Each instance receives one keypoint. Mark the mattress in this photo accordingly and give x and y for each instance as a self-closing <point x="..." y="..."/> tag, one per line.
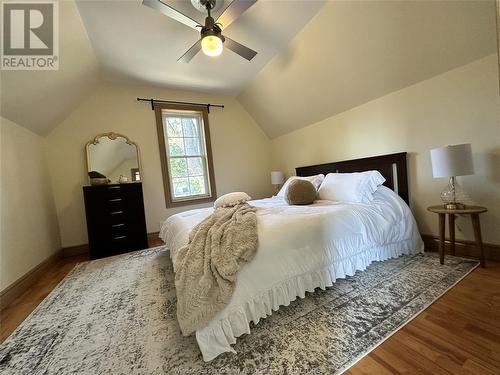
<point x="301" y="248"/>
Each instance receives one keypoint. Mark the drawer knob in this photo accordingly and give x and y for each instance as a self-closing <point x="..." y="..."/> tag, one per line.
<point x="115" y="200"/>
<point x="119" y="237"/>
<point x="116" y="212"/>
<point x="118" y="225"/>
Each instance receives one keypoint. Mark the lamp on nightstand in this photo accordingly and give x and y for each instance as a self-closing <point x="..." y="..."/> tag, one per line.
<point x="277" y="179"/>
<point x="452" y="161"/>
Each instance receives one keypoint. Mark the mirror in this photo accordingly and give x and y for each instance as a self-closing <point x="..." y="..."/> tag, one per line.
<point x="114" y="156"/>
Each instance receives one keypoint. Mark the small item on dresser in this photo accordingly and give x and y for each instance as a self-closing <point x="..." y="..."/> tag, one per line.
<point x="123" y="179"/>
<point x="99" y="181"/>
<point x="97" y="178"/>
<point x="231" y="199"/>
<point x="300" y="192"/>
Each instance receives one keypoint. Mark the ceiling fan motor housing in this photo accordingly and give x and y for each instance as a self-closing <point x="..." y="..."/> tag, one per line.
<point x="211" y="28"/>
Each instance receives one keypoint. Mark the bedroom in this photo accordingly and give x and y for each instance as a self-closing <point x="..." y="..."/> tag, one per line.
<point x="321" y="86"/>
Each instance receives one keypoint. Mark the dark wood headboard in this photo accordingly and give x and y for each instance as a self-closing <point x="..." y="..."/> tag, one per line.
<point x="392" y="167"/>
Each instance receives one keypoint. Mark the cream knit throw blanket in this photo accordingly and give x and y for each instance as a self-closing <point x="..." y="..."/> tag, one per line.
<point x="206" y="268"/>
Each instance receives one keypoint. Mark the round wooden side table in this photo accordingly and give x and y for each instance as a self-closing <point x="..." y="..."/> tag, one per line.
<point x="474" y="212"/>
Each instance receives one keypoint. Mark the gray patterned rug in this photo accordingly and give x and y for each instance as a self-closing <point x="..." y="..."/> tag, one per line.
<point x="117" y="316"/>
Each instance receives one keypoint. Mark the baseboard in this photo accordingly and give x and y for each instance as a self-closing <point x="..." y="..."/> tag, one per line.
<point x="84" y="248"/>
<point x="21" y="285"/>
<point x="75" y="250"/>
<point x="153" y="236"/>
<point x="462" y="247"/>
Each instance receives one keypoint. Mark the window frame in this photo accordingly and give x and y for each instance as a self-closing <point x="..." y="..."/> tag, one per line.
<point x="164" y="158"/>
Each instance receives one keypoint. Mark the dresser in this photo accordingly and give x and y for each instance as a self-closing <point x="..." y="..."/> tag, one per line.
<point x="116" y="221"/>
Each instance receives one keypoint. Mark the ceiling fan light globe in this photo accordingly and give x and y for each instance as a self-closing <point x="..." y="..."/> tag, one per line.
<point x="211" y="45"/>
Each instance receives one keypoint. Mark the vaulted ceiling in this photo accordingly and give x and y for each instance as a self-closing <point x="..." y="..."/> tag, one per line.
<point x="138" y="44"/>
<point x="40" y="100"/>
<point x="356" y="51"/>
<point x="315" y="59"/>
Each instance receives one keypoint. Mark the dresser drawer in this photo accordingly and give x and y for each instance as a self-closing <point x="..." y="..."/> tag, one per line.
<point x="115" y="219"/>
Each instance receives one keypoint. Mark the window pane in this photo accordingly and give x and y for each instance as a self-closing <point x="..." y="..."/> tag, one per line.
<point x="181" y="187"/>
<point x="179" y="167"/>
<point x="197" y="185"/>
<point x="176" y="147"/>
<point x="174" y="127"/>
<point x="186" y="154"/>
<point x="192" y="146"/>
<point x="195" y="166"/>
<point x="190" y="126"/>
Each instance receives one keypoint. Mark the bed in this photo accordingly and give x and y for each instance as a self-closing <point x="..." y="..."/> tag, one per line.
<point x="302" y="248"/>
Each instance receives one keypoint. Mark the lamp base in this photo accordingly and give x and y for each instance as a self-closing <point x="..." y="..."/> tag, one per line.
<point x="453" y="195"/>
<point x="454" y="206"/>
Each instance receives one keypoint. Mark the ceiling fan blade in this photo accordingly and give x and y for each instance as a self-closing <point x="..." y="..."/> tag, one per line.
<point x="240" y="49"/>
<point x="233" y="11"/>
<point x="171" y="12"/>
<point x="191" y="52"/>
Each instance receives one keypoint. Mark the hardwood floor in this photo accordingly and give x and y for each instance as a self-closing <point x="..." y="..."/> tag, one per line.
<point x="458" y="334"/>
<point x="21" y="307"/>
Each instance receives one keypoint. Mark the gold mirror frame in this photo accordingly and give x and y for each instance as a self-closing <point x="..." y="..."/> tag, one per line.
<point x="113" y="136"/>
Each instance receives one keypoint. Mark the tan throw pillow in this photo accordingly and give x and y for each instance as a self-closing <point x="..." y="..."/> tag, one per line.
<point x="300" y="192"/>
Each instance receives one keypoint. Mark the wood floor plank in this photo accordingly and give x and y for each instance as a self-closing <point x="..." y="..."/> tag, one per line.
<point x="458" y="334"/>
<point x="432" y="354"/>
<point x="370" y="366"/>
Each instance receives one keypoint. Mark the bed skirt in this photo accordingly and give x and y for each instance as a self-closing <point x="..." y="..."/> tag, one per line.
<point x="219" y="335"/>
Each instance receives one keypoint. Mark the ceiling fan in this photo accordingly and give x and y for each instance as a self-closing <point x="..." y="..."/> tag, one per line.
<point x="211" y="41"/>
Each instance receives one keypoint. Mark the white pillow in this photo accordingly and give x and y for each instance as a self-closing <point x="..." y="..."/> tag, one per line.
<point x="355" y="187"/>
<point x="316" y="180"/>
<point x="231" y="199"/>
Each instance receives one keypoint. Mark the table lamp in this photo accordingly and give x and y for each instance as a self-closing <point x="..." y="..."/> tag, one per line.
<point x="450" y="162"/>
<point x="277" y="179"/>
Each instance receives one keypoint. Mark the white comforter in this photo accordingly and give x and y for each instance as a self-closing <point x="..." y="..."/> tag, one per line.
<point x="300" y="248"/>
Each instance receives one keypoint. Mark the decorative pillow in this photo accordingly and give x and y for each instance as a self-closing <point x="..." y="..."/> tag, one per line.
<point x="231" y="199"/>
<point x="350" y="187"/>
<point x="300" y="191"/>
<point x="316" y="180"/>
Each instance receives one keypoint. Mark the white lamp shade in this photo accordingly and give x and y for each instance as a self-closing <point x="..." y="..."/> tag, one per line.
<point x="451" y="161"/>
<point x="277" y="177"/>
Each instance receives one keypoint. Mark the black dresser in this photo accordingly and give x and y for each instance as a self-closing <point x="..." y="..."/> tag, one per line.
<point x="116" y="222"/>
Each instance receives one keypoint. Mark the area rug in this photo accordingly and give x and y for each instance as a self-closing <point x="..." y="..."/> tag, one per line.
<point x="118" y="316"/>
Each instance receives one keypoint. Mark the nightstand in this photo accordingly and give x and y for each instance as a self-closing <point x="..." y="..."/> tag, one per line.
<point x="474" y="212"/>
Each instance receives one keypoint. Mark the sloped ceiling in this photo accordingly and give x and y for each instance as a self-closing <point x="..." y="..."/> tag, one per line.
<point x="355" y="51"/>
<point x="40" y="100"/>
<point x="349" y="53"/>
<point x="137" y="44"/>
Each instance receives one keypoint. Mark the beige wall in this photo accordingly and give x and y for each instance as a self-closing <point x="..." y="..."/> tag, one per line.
<point x="241" y="151"/>
<point x="29" y="230"/>
<point x="459" y="106"/>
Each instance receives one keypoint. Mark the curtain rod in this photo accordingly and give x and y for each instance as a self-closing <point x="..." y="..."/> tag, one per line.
<point x="152" y="101"/>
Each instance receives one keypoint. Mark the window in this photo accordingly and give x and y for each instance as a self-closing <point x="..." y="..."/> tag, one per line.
<point x="185" y="153"/>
